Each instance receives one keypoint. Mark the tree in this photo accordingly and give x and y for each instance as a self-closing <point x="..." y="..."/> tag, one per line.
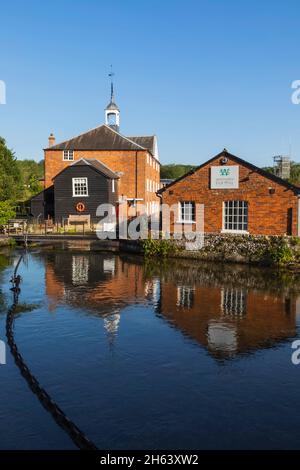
<point x="10" y="178"/>
<point x="7" y="211"/>
<point x="31" y="173"/>
<point x="294" y="175"/>
<point x="174" y="171"/>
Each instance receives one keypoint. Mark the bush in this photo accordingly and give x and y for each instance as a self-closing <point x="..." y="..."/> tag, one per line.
<point x="160" y="248"/>
<point x="278" y="252"/>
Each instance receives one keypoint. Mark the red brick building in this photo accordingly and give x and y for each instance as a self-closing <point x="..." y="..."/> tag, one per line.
<point x="133" y="159"/>
<point x="238" y="197"/>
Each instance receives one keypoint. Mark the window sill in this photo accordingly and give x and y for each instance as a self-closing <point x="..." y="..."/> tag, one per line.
<point x="185" y="222"/>
<point x="238" y="232"/>
<point x="78" y="195"/>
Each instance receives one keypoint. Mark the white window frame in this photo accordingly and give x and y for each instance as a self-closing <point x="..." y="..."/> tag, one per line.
<point x="73" y="187"/>
<point x="67" y="154"/>
<point x="241" y="205"/>
<point x="182" y="220"/>
<point x="113" y="186"/>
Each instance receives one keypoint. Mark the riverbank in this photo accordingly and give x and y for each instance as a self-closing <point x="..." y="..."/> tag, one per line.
<point x="275" y="251"/>
<point x="6" y="241"/>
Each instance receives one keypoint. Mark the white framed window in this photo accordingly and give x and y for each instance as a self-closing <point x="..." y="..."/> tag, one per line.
<point x="80" y="269"/>
<point x="233" y="301"/>
<point x="68" y="155"/>
<point x="80" y="187"/>
<point x="187" y="211"/>
<point x="112" y="186"/>
<point x="185" y="296"/>
<point x="235" y="216"/>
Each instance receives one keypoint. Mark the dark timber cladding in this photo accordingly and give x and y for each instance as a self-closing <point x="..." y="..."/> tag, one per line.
<point x="100" y="189"/>
<point x="42" y="205"/>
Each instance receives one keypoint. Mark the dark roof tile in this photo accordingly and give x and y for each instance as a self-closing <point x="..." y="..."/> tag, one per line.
<point x="104" y="138"/>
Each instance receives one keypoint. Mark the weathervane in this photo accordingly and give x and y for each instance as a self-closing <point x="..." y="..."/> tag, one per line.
<point x="111" y="75"/>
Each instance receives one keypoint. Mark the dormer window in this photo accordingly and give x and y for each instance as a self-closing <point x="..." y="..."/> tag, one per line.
<point x="68" y="155"/>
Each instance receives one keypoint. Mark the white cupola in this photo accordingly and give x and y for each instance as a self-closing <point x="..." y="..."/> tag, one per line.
<point x="112" y="112"/>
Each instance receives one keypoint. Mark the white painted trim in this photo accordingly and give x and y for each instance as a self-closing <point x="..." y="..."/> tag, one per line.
<point x="245" y="232"/>
<point x="187" y="222"/>
<point x="224" y="230"/>
<point x="82" y="159"/>
<point x="68" y="159"/>
<point x="73" y="186"/>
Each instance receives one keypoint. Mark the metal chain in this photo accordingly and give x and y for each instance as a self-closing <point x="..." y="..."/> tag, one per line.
<point x="77" y="436"/>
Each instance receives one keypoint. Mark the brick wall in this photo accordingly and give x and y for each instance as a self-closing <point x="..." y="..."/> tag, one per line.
<point x="268" y="214"/>
<point x="136" y="166"/>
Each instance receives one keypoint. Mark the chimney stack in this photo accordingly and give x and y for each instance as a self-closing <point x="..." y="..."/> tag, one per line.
<point x="51" y="140"/>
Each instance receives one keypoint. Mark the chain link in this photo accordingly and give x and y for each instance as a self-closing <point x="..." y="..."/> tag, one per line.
<point x="77" y="436"/>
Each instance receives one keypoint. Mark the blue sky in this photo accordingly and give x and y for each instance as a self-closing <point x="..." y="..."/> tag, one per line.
<point x="202" y="75"/>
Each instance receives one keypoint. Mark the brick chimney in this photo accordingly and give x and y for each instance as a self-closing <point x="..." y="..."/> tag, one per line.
<point x="51" y="140"/>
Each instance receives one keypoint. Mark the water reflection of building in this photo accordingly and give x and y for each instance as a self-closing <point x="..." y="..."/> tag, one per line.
<point x="93" y="281"/>
<point x="101" y="284"/>
<point x="228" y="312"/>
<point x="229" y="320"/>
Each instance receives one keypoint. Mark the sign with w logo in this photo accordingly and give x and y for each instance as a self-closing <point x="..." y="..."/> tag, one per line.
<point x="224" y="171"/>
<point x="224" y="177"/>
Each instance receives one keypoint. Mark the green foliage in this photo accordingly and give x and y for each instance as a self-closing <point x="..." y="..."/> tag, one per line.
<point x="278" y="252"/>
<point x="161" y="248"/>
<point x="30" y="174"/>
<point x="7" y="211"/>
<point x="9" y="174"/>
<point x="25" y="308"/>
<point x="174" y="171"/>
<point x="295" y="241"/>
<point x="295" y="172"/>
<point x="19" y="179"/>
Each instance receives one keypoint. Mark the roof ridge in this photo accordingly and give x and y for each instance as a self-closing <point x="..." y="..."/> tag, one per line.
<point x="141" y="136"/>
<point x="100" y="161"/>
<point x="64" y="142"/>
<point x="74" y="137"/>
<point x="124" y="137"/>
<point x="264" y="173"/>
<point x="87" y="161"/>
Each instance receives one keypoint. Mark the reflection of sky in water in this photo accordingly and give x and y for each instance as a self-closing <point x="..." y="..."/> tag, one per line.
<point x="222" y="337"/>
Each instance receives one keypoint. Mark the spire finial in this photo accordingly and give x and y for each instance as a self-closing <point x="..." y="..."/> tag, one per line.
<point x="112" y="112"/>
<point x="111" y="75"/>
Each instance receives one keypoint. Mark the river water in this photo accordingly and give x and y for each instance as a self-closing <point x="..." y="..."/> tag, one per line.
<point x="151" y="355"/>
